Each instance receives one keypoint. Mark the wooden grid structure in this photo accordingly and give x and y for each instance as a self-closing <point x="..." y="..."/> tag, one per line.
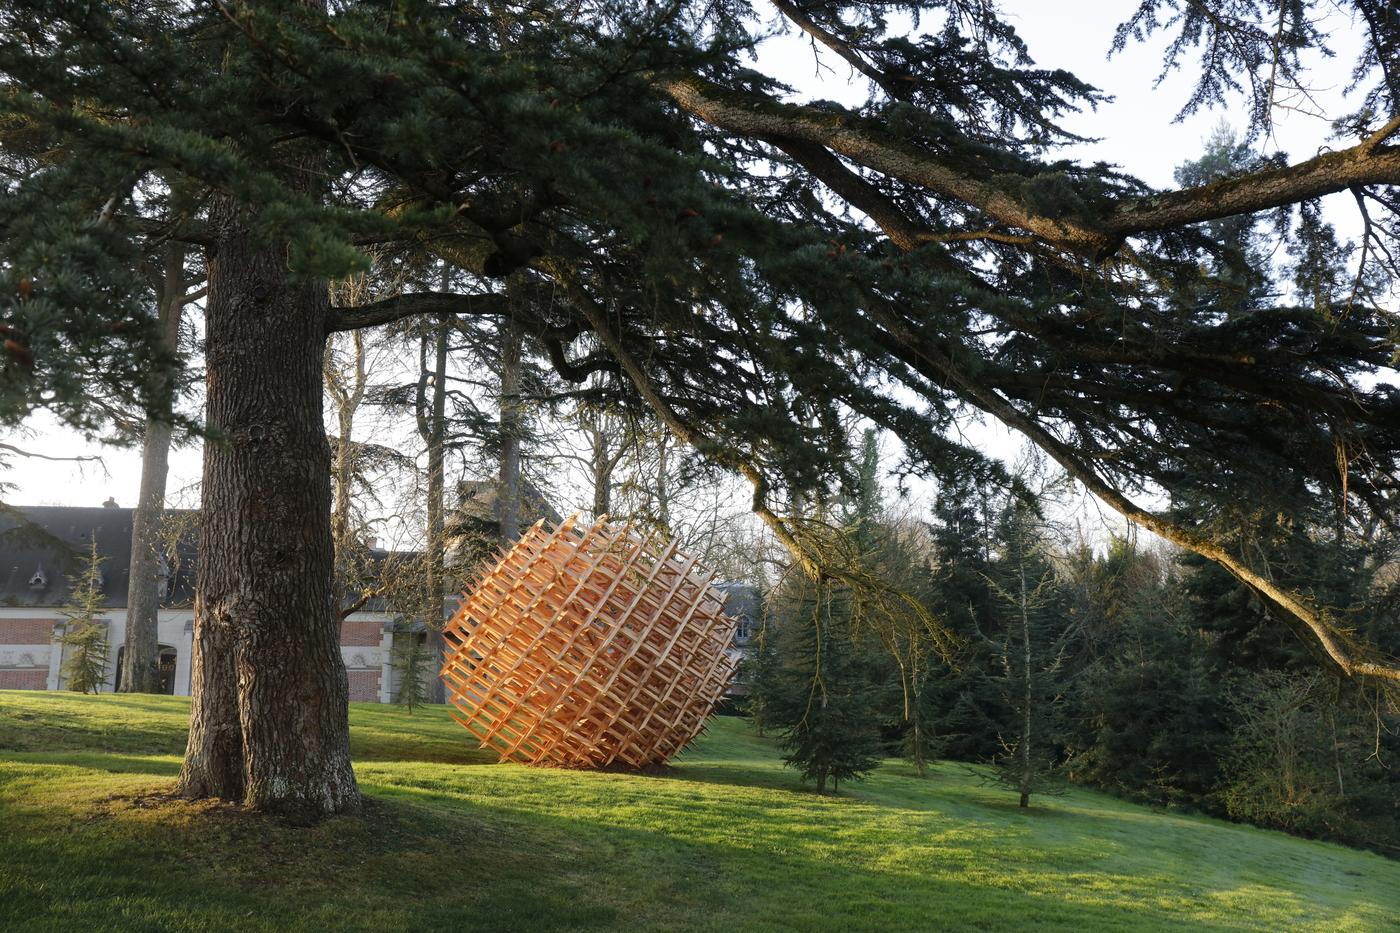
<point x="589" y="647"/>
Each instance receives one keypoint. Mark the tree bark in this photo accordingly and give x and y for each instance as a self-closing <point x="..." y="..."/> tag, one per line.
<point x="270" y="713"/>
<point x="413" y="304"/>
<point x="1026" y="675"/>
<point x="347" y="398"/>
<point x="867" y="143"/>
<point x="508" y="490"/>
<point x="143" y="595"/>
<point x="213" y="765"/>
<point x="435" y="436"/>
<point x="601" y="464"/>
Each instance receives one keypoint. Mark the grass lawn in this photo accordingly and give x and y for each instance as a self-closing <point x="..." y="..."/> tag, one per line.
<point x="728" y="841"/>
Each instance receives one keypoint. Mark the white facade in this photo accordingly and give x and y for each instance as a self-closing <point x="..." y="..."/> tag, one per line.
<point x="31" y="655"/>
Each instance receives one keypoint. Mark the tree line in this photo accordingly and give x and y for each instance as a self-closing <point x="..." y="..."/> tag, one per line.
<point x="1117" y="664"/>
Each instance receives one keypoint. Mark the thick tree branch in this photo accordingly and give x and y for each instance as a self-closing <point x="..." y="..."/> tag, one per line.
<point x="873" y="202"/>
<point x="855" y="191"/>
<point x="759" y="117"/>
<point x="1372" y="142"/>
<point x="388" y="310"/>
<point x="193" y="232"/>
<point x="576" y="371"/>
<point x="1333" y="642"/>
<point x="1263" y="190"/>
<point x="864" y="143"/>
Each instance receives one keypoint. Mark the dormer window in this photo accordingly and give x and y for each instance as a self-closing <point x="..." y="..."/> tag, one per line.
<point x="40" y="579"/>
<point x="166" y="585"/>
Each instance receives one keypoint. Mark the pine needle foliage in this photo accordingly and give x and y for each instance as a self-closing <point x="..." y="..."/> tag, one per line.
<point x="85" y="635"/>
<point x="1030" y="647"/>
<point x="826" y="703"/>
<point x="760" y="672"/>
<point x="411" y="665"/>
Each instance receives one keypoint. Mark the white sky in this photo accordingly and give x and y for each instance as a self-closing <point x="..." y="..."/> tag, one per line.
<point x="1138" y="132"/>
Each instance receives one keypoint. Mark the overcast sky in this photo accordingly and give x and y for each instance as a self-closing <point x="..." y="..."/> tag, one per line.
<point x="1137" y="129"/>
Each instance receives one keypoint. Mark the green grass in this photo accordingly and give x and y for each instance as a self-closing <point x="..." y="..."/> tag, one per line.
<point x="728" y="841"/>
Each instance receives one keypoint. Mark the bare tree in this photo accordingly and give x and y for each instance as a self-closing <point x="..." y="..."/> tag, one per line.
<point x="139" y="672"/>
<point x="511" y="429"/>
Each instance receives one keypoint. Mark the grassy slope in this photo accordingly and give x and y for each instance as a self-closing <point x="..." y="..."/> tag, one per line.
<point x="727" y="841"/>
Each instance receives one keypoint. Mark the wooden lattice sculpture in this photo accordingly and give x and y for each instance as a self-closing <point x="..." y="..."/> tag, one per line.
<point x="589" y="647"/>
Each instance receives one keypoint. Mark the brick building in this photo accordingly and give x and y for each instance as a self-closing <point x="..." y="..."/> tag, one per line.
<point x="41" y="546"/>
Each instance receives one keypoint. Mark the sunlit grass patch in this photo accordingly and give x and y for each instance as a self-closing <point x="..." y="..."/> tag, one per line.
<point x="726" y="840"/>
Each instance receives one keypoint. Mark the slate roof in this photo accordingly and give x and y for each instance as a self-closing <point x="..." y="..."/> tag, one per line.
<point x="740" y="599"/>
<point x="476" y="504"/>
<point x="53" y="541"/>
<point x="41" y="546"/>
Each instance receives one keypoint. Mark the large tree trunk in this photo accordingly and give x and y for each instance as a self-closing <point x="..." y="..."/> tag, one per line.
<point x="267" y="665"/>
<point x="143" y="595"/>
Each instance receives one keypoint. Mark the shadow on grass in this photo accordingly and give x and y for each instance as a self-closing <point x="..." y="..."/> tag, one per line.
<point x="429" y="857"/>
<point x="895" y="783"/>
<point x="452" y="849"/>
<point x="159" y="766"/>
<point x="127" y="724"/>
<point x="418" y="859"/>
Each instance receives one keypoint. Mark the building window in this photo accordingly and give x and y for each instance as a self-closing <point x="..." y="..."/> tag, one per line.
<point x="165" y="670"/>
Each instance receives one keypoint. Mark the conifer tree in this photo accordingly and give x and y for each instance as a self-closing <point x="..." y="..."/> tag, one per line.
<point x="760" y="674"/>
<point x="1148" y="718"/>
<point x="1030" y="648"/>
<point x="413" y="660"/>
<point x="891" y="561"/>
<point x="827" y="696"/>
<point x="85" y="635"/>
<point x="964" y="708"/>
<point x="825" y="704"/>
